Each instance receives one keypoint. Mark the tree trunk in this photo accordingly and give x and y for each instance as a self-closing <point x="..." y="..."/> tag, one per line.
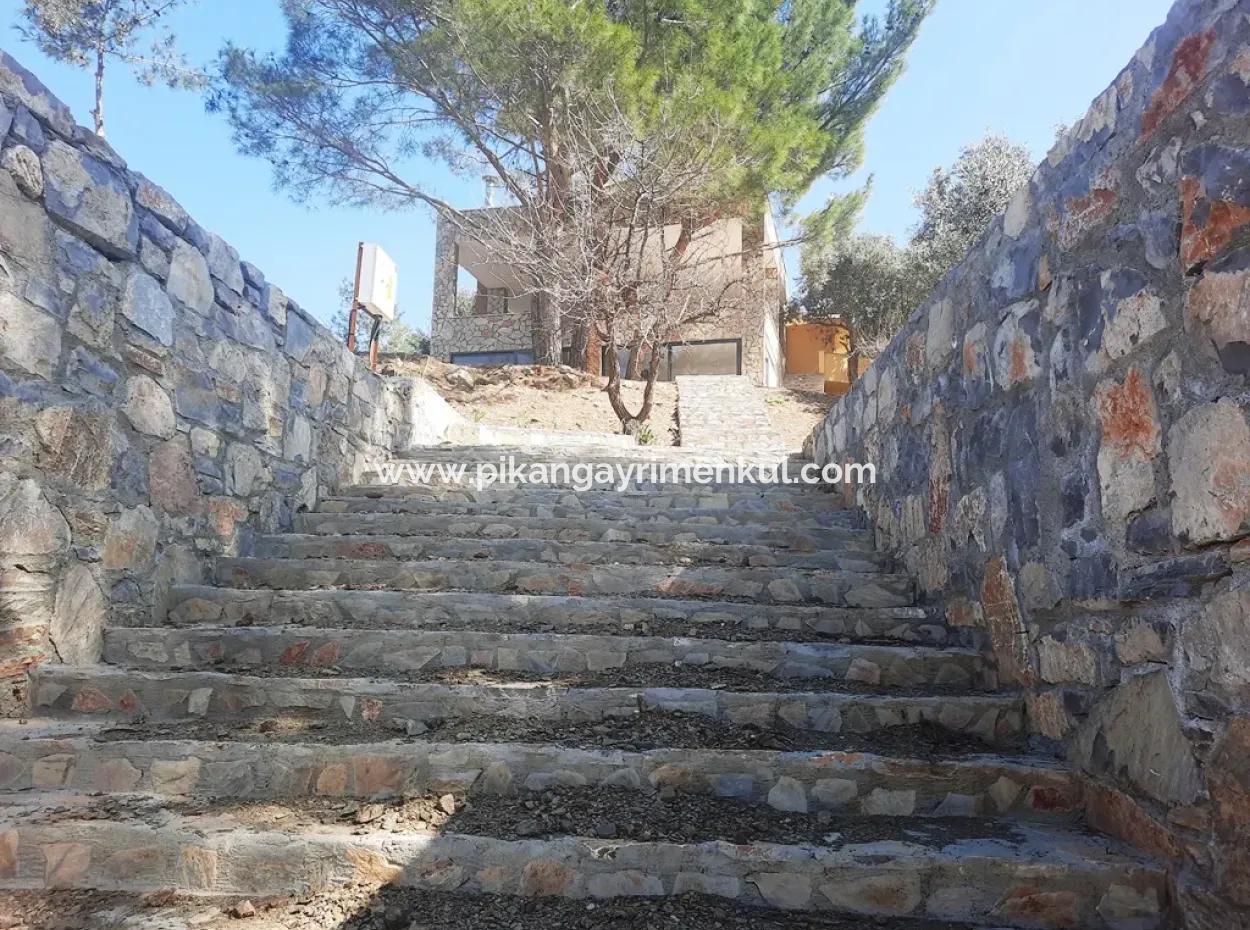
<point x="578" y="356"/>
<point x="653" y="374"/>
<point x="654" y="349"/>
<point x="588" y="348"/>
<point x="547" y="340"/>
<point x="633" y="368"/>
<point x="594" y="351"/>
<point x="98" y="113"/>
<point x="631" y="421"/>
<point x="613" y="388"/>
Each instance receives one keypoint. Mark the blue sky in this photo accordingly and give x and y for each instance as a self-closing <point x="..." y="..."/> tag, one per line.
<point x="1019" y="67"/>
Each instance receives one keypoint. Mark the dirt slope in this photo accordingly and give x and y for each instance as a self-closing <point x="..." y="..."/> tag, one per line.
<point x="560" y="397"/>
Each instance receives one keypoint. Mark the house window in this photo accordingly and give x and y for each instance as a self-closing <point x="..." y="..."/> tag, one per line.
<point x="480" y="359"/>
<point x="490" y="301"/>
<point x="719" y="357"/>
<point x="709" y="357"/>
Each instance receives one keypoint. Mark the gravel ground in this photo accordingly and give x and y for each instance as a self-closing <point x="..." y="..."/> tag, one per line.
<point x="692" y="818"/>
<point x="105" y="910"/>
<point x="364" y="907"/>
<point x="645" y="730"/>
<point x="638" y="676"/>
<point x="795" y="413"/>
<point x="609" y="814"/>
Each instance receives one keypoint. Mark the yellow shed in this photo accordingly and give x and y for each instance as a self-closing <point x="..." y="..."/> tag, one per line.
<point x="820" y="349"/>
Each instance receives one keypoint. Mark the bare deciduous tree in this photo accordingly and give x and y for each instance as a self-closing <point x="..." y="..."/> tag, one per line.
<point x="636" y="252"/>
<point x="87" y="33"/>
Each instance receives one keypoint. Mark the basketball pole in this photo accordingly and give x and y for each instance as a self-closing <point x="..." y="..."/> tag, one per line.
<point x="353" y="315"/>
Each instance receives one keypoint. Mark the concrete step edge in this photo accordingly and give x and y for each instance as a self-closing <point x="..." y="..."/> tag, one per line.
<point x="384" y="652"/>
<point x="758" y="585"/>
<point x="214" y="853"/>
<point x="108" y="692"/>
<point x="192" y="605"/>
<point x="856" y="783"/>
<point x="450" y="545"/>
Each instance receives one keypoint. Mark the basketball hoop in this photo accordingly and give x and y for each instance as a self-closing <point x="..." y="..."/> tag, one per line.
<point x="374" y="293"/>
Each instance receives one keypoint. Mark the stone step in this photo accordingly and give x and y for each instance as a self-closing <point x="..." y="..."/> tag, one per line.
<point x="449" y="546"/>
<point x="643" y="455"/>
<point x="62" y="691"/>
<point x="681" y="497"/>
<point x="424" y="479"/>
<point x="572" y="507"/>
<point x="74" y="757"/>
<point x="585" y="529"/>
<point x="1025" y="875"/>
<point x="198" y="604"/>
<point x="724" y="412"/>
<point x="758" y="585"/>
<point x="387" y="652"/>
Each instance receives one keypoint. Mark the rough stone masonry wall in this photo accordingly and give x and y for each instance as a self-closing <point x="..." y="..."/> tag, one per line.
<point x="160" y="402"/>
<point x="449" y="331"/>
<point x="1064" y="455"/>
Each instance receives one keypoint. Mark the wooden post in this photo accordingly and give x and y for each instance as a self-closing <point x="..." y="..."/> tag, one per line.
<point x="355" y="309"/>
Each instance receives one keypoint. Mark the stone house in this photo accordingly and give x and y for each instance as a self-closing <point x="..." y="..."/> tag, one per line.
<point x="497" y="325"/>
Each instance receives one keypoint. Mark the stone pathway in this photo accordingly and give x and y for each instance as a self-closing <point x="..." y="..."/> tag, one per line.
<point x="724" y="412"/>
<point x="538" y="694"/>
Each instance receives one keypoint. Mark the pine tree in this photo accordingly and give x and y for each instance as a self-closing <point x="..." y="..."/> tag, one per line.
<point x="365" y="88"/>
<point x="88" y="33"/>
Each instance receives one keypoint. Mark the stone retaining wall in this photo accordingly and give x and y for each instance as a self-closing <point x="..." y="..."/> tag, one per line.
<point x="160" y="401"/>
<point x="1064" y="456"/>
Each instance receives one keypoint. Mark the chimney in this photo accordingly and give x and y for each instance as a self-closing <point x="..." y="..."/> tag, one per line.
<point x="489" y="183"/>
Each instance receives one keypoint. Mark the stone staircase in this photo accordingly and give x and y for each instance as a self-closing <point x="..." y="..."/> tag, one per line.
<point x="724" y="412"/>
<point x="720" y="692"/>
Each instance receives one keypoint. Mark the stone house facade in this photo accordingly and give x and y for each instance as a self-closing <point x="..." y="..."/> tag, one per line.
<point x="497" y="325"/>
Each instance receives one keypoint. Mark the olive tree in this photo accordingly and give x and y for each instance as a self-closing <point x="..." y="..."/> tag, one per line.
<point x="873" y="283"/>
